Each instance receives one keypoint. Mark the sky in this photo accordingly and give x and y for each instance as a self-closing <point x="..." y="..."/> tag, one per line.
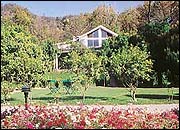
<point x="63" y="8"/>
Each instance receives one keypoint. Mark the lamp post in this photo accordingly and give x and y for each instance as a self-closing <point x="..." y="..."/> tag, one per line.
<point x="26" y="90"/>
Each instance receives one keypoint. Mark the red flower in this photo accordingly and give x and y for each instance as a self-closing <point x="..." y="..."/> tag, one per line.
<point x="50" y="124"/>
<point x="82" y="122"/>
<point x="174" y="116"/>
<point x="92" y="116"/>
<point x="149" y="116"/>
<point x="62" y="120"/>
<point x="29" y="125"/>
<point x="44" y="117"/>
<point x="6" y="122"/>
<point x="78" y="126"/>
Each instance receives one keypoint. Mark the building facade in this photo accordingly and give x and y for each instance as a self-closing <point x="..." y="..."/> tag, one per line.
<point x="92" y="39"/>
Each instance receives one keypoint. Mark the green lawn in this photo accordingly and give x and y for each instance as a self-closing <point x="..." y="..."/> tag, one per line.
<point x="100" y="95"/>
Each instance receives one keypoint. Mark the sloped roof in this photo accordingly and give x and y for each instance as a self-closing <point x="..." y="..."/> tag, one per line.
<point x="102" y="27"/>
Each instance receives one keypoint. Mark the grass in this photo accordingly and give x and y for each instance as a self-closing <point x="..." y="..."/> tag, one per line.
<point x="95" y="95"/>
<point x="99" y="95"/>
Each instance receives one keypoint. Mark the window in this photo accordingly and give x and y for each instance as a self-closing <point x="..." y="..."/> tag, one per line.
<point x="93" y="34"/>
<point x="90" y="43"/>
<point x="96" y="42"/>
<point x="109" y="35"/>
<point x="104" y="33"/>
<point x="93" y="43"/>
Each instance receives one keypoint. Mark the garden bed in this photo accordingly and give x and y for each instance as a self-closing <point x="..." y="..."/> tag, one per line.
<point x="81" y="117"/>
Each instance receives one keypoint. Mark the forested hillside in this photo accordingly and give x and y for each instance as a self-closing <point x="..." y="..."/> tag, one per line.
<point x="62" y="28"/>
<point x="156" y="23"/>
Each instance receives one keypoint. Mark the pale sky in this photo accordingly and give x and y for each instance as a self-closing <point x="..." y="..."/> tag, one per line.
<point x="63" y="8"/>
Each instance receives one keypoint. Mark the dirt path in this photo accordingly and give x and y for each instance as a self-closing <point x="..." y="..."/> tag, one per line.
<point x="150" y="108"/>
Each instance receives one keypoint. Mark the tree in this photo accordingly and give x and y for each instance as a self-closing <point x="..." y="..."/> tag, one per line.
<point x="103" y="15"/>
<point x="6" y="89"/>
<point x="108" y="47"/>
<point x="164" y="47"/>
<point x="76" y="25"/>
<point x="158" y="11"/>
<point x="128" y="21"/>
<point x="21" y="57"/>
<point x="17" y="14"/>
<point x="127" y="62"/>
<point x="46" y="28"/>
<point x="49" y="51"/>
<point x="104" y="55"/>
<point x="130" y="65"/>
<point x="87" y="66"/>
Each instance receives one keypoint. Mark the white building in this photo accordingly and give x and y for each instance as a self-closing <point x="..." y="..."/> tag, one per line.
<point x="92" y="39"/>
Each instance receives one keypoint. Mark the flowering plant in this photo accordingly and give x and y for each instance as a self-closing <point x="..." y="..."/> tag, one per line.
<point x="8" y="112"/>
<point x="83" y="117"/>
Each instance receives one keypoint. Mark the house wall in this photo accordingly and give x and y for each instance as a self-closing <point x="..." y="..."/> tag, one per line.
<point x="84" y="40"/>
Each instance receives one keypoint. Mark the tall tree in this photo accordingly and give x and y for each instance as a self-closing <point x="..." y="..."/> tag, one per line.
<point x="163" y="45"/>
<point x="21" y="57"/>
<point x="128" y="21"/>
<point x="104" y="15"/>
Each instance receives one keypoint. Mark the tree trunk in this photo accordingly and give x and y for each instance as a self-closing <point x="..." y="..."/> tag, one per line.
<point x="83" y="98"/>
<point x="133" y="92"/>
<point x="149" y="11"/>
<point x="134" y="96"/>
<point x="172" y="93"/>
<point x="159" y="79"/>
<point x="104" y="81"/>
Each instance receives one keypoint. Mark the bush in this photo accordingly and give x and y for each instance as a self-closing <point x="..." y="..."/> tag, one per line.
<point x="6" y="89"/>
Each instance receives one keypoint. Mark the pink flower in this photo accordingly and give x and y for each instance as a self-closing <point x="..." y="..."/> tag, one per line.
<point x="46" y="118"/>
<point x="29" y="125"/>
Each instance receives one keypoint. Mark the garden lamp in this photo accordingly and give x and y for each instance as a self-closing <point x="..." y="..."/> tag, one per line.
<point x="26" y="90"/>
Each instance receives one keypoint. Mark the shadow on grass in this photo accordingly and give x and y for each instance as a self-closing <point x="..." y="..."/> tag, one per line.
<point x="12" y="99"/>
<point x="87" y="97"/>
<point x="176" y="94"/>
<point x="43" y="98"/>
<point x="155" y="96"/>
<point x="67" y="98"/>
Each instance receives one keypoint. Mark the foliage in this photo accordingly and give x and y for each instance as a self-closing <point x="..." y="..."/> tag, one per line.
<point x="86" y="65"/>
<point x="16" y="14"/>
<point x="162" y="38"/>
<point x="165" y="80"/>
<point x="131" y="64"/>
<point x="108" y="47"/>
<point x="76" y="25"/>
<point x="45" y="28"/>
<point x="84" y="117"/>
<point x="127" y="62"/>
<point x="164" y="48"/>
<point x="6" y="89"/>
<point x="49" y="51"/>
<point x="128" y="21"/>
<point x="103" y="15"/>
<point x="21" y="57"/>
<point x="63" y="28"/>
<point x="163" y="27"/>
